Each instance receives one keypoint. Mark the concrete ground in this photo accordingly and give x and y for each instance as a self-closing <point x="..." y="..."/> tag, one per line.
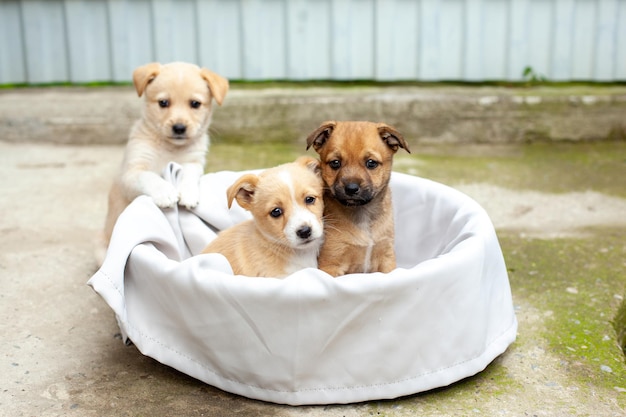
<point x="61" y="353"/>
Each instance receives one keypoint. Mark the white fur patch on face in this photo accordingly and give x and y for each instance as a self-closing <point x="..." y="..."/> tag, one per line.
<point x="285" y="176"/>
<point x="300" y="219"/>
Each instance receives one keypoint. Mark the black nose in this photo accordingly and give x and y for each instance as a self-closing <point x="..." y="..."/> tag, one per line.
<point x="352" y="188"/>
<point x="179" y="128"/>
<point x="304" y="232"/>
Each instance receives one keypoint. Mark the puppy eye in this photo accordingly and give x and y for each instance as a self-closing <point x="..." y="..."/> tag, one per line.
<point x="371" y="164"/>
<point x="335" y="164"/>
<point x="309" y="200"/>
<point x="164" y="103"/>
<point x="195" y="104"/>
<point x="277" y="212"/>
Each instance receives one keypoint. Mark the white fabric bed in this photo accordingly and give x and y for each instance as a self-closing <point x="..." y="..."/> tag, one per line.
<point x="444" y="314"/>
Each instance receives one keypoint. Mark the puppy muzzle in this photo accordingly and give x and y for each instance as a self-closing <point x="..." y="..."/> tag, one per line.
<point x="352" y="194"/>
<point x="304" y="232"/>
<point x="179" y="131"/>
<point x="306" y="237"/>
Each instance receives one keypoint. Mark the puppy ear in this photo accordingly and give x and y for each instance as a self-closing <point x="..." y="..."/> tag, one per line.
<point x="243" y="191"/>
<point x="392" y="137"/>
<point x="312" y="164"/>
<point x="142" y="76"/>
<point x="217" y="84"/>
<point x="320" y="135"/>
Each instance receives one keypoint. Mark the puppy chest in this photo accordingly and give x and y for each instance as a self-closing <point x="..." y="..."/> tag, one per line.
<point x="180" y="156"/>
<point x="300" y="261"/>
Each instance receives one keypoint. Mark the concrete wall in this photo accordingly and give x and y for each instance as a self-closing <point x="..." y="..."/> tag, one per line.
<point x="442" y="114"/>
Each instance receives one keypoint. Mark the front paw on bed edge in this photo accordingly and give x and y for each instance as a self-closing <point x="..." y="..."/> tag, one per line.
<point x="189" y="197"/>
<point x="165" y="197"/>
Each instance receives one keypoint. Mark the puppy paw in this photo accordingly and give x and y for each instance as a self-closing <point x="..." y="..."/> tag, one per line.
<point x="333" y="271"/>
<point x="189" y="196"/>
<point x="166" y="196"/>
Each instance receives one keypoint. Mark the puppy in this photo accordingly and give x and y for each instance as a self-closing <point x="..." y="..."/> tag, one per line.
<point x="356" y="160"/>
<point x="286" y="231"/>
<point x="173" y="127"/>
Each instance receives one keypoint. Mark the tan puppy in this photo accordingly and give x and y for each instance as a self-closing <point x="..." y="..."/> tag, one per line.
<point x="356" y="160"/>
<point x="286" y="231"/>
<point x="173" y="127"/>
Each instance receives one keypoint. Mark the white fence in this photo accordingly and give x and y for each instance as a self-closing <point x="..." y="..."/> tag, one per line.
<point x="425" y="40"/>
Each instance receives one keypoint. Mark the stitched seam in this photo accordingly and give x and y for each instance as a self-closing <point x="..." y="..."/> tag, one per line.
<point x="146" y="336"/>
<point x="108" y="278"/>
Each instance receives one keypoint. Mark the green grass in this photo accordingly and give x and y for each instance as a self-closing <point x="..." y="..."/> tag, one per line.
<point x="238" y="156"/>
<point x="619" y="324"/>
<point x="578" y="283"/>
<point x="548" y="167"/>
<point x="276" y="83"/>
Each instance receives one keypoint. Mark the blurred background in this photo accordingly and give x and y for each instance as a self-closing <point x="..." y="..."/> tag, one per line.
<point x="92" y="41"/>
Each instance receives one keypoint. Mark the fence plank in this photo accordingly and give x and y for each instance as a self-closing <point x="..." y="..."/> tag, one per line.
<point x="518" y="53"/>
<point x="620" y="49"/>
<point x="174" y="30"/>
<point x="220" y="37"/>
<point x="539" y="36"/>
<point x="130" y="28"/>
<point x="451" y="37"/>
<point x="430" y="41"/>
<point x="606" y="27"/>
<point x="473" y="53"/>
<point x="308" y="39"/>
<point x="12" y="65"/>
<point x="562" y="50"/>
<point x="88" y="40"/>
<point x="44" y="41"/>
<point x="396" y="40"/>
<point x="583" y="39"/>
<point x="493" y="41"/>
<point x="352" y="39"/>
<point x="264" y="45"/>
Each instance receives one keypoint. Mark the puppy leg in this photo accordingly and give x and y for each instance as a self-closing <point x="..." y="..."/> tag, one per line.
<point x="162" y="192"/>
<point x="188" y="188"/>
<point x="386" y="259"/>
<point x="330" y="264"/>
<point x="387" y="265"/>
<point x="116" y="204"/>
<point x="140" y="182"/>
<point x="333" y="271"/>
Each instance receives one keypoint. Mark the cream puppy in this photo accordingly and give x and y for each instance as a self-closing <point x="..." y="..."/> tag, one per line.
<point x="173" y="127"/>
<point x="286" y="231"/>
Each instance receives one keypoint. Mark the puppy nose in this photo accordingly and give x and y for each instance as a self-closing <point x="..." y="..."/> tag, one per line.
<point x="304" y="232"/>
<point x="179" y="128"/>
<point x="352" y="188"/>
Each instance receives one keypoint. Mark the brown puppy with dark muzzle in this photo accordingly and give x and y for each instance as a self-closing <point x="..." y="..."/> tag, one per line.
<point x="356" y="160"/>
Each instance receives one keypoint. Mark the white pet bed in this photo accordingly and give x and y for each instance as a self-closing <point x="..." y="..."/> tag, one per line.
<point x="444" y="314"/>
